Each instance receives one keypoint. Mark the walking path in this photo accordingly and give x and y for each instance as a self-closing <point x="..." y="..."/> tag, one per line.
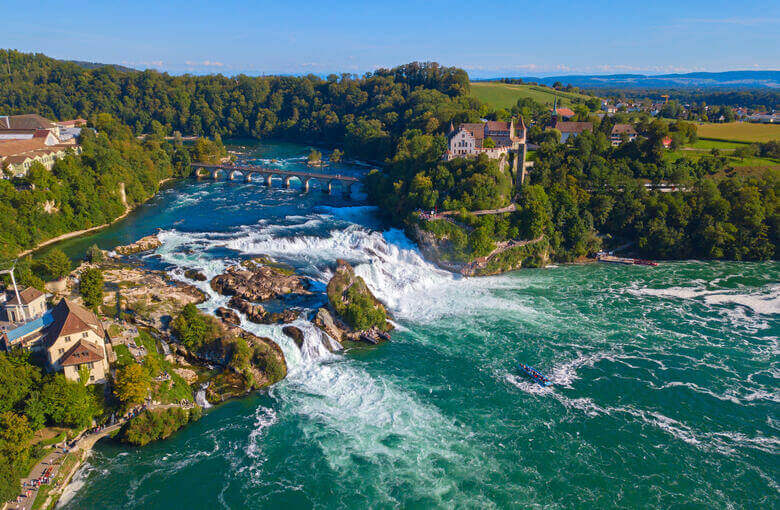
<point x="53" y="461"/>
<point x="441" y="215"/>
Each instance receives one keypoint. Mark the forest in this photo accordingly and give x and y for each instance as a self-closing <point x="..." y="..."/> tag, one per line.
<point x="83" y="191"/>
<point x="581" y="195"/>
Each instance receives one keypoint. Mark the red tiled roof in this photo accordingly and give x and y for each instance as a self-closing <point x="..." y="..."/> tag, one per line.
<point x="72" y="123"/>
<point x="70" y="318"/>
<point x="475" y="128"/>
<point x="16" y="151"/>
<point x="82" y="352"/>
<point x="573" y="127"/>
<point x="27" y="296"/>
<point x="497" y="125"/>
<point x="29" y="121"/>
<point x="564" y="112"/>
<point x="619" y="129"/>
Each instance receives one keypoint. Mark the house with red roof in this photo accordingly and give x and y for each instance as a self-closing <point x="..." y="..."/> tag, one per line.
<point x="71" y="337"/>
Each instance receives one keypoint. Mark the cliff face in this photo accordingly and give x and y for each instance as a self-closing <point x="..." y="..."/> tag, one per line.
<point x="360" y="315"/>
<point x="508" y="256"/>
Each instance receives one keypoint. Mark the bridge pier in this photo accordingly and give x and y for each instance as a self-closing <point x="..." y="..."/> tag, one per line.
<point x="268" y="180"/>
<point x="287" y="182"/>
<point x="248" y="178"/>
<point x="306" y="185"/>
<point x="328" y="187"/>
<point x="215" y="174"/>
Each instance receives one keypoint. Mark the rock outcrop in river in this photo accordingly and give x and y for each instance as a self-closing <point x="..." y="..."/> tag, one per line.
<point x="144" y="244"/>
<point x="257" y="280"/>
<point x="354" y="313"/>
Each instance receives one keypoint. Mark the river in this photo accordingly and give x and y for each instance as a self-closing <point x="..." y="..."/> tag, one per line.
<point x="665" y="395"/>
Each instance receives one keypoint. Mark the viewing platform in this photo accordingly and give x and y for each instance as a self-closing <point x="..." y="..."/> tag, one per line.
<point x="250" y="173"/>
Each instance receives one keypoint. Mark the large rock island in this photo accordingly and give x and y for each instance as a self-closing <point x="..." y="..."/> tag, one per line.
<point x="353" y="312"/>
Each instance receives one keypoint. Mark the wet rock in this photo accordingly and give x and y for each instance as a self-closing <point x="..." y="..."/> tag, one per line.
<point x="325" y="321"/>
<point x="144" y="244"/>
<point x="194" y="274"/>
<point x="294" y="333"/>
<point x="255" y="281"/>
<point x="227" y="315"/>
<point x="253" y="312"/>
<point x="347" y="291"/>
<point x="282" y="317"/>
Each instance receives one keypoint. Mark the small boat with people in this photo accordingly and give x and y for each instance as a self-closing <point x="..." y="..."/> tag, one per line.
<point x="609" y="258"/>
<point x="535" y="375"/>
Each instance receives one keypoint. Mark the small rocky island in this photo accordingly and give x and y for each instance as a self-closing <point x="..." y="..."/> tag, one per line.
<point x="353" y="312"/>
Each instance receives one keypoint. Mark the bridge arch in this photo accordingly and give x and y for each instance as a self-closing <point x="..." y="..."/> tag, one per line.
<point x="201" y="172"/>
<point x="329" y="185"/>
<point x="217" y="172"/>
<point x="269" y="176"/>
<point x="250" y="176"/>
<point x="233" y="175"/>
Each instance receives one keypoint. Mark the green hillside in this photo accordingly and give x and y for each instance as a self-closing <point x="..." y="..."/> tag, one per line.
<point x="505" y="95"/>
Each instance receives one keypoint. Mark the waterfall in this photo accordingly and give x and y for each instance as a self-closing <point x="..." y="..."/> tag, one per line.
<point x="200" y="396"/>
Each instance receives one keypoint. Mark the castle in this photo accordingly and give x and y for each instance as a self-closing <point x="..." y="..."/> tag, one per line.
<point x="503" y="141"/>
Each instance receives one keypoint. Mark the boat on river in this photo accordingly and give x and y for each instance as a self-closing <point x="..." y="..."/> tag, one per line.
<point x="535" y="375"/>
<point x="612" y="259"/>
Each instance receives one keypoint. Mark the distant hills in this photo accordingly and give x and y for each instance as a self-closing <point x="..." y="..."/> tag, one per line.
<point x="96" y="65"/>
<point x="727" y="79"/>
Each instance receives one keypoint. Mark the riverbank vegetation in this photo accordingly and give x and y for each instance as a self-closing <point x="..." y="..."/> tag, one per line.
<point x="156" y="424"/>
<point x="114" y="173"/>
<point x="31" y="400"/>
<point x="253" y="359"/>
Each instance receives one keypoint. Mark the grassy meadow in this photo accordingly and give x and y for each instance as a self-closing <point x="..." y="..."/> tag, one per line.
<point x="738" y="131"/>
<point x="505" y="95"/>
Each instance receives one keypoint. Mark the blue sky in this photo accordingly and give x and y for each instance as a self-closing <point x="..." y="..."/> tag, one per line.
<point x="517" y="38"/>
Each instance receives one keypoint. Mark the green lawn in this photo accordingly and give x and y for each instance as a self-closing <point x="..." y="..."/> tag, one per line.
<point x="123" y="356"/>
<point x="706" y="143"/>
<point x="738" y="131"/>
<point x="505" y="95"/>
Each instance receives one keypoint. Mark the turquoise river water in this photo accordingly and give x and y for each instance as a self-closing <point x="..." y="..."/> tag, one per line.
<point x="665" y="395"/>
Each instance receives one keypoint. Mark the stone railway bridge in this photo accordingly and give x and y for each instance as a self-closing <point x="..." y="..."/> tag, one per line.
<point x="251" y="173"/>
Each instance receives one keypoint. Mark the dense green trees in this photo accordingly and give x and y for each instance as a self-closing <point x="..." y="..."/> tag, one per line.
<point x="193" y="328"/>
<point x="28" y="401"/>
<point x="735" y="218"/>
<point x="363" y="115"/>
<point x="158" y="424"/>
<point x="132" y="384"/>
<point x="85" y="189"/>
<point x="56" y="264"/>
<point x="91" y="287"/>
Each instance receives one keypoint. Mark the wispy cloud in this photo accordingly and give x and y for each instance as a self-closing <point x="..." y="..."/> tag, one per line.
<point x="204" y="63"/>
<point x="733" y="21"/>
<point x="155" y="64"/>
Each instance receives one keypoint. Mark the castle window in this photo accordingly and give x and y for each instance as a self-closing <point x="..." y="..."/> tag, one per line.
<point x="84" y="334"/>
